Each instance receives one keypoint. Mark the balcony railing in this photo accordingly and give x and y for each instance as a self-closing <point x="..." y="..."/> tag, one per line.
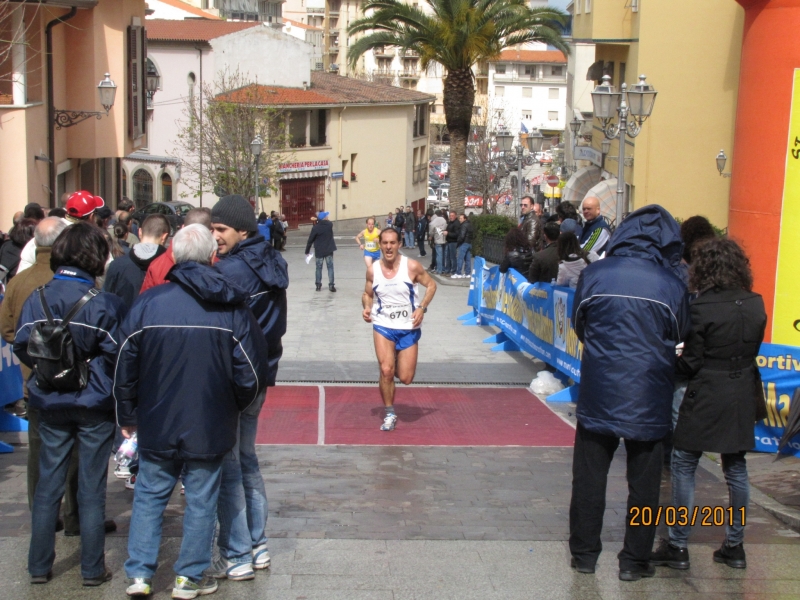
<point x="408" y="53"/>
<point x="511" y="76"/>
<point x="384" y="52"/>
<point x="408" y="74"/>
<point x="315" y="10"/>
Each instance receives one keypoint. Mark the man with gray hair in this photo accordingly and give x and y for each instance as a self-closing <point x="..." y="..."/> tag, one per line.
<point x="17" y="292"/>
<point x="182" y="377"/>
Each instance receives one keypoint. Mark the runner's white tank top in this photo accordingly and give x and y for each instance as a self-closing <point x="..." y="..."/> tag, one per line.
<point x="395" y="298"/>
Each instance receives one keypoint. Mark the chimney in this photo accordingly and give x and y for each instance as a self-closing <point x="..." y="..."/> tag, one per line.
<point x="305" y="86"/>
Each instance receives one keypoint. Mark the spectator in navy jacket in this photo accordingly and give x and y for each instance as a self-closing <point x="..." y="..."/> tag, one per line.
<point x="630" y="312"/>
<point x="253" y="264"/>
<point x="192" y="357"/>
<point x="85" y="417"/>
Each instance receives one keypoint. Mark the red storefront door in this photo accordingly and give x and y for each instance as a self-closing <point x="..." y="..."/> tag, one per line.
<point x="301" y="199"/>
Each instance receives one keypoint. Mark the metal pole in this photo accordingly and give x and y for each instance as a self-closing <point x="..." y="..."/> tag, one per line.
<point x="519" y="183"/>
<point x="337" y="206"/>
<point x="623" y="128"/>
<point x="257" y="198"/>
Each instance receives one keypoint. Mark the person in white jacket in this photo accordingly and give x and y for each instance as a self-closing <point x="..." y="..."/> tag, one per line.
<point x="572" y="258"/>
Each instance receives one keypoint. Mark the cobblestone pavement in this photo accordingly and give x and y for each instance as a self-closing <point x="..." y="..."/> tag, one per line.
<point x="402" y="523"/>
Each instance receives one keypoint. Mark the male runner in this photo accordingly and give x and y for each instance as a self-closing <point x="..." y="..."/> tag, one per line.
<point x="397" y="316"/>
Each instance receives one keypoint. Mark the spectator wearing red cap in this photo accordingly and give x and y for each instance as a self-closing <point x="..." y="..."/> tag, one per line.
<point x="80" y="206"/>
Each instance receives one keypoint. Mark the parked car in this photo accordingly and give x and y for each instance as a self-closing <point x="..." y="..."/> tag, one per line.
<point x="174" y="211"/>
<point x="432" y="197"/>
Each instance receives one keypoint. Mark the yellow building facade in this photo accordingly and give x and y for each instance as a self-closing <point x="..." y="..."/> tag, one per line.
<point x="690" y="52"/>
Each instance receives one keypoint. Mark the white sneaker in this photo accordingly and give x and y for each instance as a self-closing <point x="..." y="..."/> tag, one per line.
<point x="389" y="422"/>
<point x="222" y="568"/>
<point x="455" y="276"/>
<point x="121" y="472"/>
<point x="261" y="557"/>
<point x="130" y="483"/>
<point x="139" y="586"/>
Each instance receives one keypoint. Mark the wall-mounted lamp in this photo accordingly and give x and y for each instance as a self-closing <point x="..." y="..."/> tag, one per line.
<point x="721" y="160"/>
<point x="106" y="89"/>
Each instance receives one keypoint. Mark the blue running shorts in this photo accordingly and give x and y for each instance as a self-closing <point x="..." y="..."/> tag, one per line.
<point x="374" y="255"/>
<point x="402" y="338"/>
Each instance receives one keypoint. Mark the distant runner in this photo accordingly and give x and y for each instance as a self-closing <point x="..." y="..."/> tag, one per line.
<point x="370" y="242"/>
<point x="396" y="317"/>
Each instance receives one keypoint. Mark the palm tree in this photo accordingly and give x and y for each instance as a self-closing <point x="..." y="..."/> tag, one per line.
<point x="457" y="35"/>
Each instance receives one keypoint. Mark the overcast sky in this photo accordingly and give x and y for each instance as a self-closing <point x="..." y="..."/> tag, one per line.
<point x="562" y="4"/>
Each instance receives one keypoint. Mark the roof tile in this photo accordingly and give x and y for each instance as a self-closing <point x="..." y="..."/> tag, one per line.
<point x="192" y="30"/>
<point x="328" y="88"/>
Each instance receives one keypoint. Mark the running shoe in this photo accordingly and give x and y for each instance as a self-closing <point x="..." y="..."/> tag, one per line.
<point x="222" y="568"/>
<point x="121" y="472"/>
<point x="139" y="586"/>
<point x="261" y="557"/>
<point x="130" y="483"/>
<point x="389" y="422"/>
<point x="183" y="490"/>
<point x="187" y="589"/>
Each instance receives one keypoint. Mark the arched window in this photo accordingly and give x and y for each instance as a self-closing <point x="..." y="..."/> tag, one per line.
<point x="142" y="188"/>
<point x="166" y="188"/>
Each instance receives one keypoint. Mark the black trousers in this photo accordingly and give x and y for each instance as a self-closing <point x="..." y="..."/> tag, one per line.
<point x="421" y="244"/>
<point x="591" y="460"/>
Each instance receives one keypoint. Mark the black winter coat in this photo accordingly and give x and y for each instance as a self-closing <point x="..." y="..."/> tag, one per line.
<point x="125" y="275"/>
<point x="453" y="227"/>
<point x="321" y="237"/>
<point x="518" y="259"/>
<point x="630" y="311"/>
<point x="466" y="233"/>
<point x="260" y="270"/>
<point x="544" y="266"/>
<point x="192" y="356"/>
<point x="718" y="410"/>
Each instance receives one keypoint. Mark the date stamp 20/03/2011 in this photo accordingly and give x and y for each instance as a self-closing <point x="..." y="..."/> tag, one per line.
<point x="705" y="516"/>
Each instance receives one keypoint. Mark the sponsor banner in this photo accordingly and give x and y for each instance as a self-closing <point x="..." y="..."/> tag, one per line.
<point x="536" y="317"/>
<point x="10" y="375"/>
<point x="780" y="374"/>
<point x="305" y="165"/>
<point x="473" y="201"/>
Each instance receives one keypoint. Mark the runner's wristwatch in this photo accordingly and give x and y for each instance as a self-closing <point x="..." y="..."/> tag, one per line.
<point x="424" y="309"/>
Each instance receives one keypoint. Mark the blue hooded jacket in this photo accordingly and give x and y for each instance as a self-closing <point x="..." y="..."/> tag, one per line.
<point x="261" y="271"/>
<point x="630" y="312"/>
<point x="94" y="332"/>
<point x="191" y="357"/>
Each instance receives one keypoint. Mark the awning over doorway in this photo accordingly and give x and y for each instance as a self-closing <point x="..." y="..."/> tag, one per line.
<point x="304" y="174"/>
<point x="581" y="182"/>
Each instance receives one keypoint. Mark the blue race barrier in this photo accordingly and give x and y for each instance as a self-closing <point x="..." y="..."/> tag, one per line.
<point x="10" y="392"/>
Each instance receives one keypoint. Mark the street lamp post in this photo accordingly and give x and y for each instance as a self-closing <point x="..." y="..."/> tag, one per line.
<point x="106" y="89"/>
<point x="255" y="147"/>
<point x="574" y="127"/>
<point x="634" y="106"/>
<point x="505" y="141"/>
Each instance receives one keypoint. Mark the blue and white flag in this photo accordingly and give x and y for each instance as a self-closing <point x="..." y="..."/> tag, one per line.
<point x="522" y="128"/>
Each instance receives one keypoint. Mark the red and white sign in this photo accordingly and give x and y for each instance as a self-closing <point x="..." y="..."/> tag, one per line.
<point x="306" y="165"/>
<point x="473" y="202"/>
<point x="553" y="181"/>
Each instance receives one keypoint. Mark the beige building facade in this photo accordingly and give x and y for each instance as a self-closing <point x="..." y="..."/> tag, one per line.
<point x="40" y="160"/>
<point x="690" y="52"/>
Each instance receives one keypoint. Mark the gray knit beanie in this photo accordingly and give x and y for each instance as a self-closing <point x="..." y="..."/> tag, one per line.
<point x="235" y="211"/>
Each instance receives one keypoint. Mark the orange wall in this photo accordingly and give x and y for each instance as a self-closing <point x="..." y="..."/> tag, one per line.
<point x="770" y="54"/>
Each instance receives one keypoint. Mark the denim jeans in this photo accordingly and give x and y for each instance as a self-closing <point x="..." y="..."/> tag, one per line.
<point x="242" y="509"/>
<point x="439" y="258"/>
<point x="154" y="486"/>
<point x="59" y="430"/>
<point x="450" y="258"/>
<point x="409" y="239"/>
<point x="329" y="260"/>
<point x="734" y="466"/>
<point x="464" y="259"/>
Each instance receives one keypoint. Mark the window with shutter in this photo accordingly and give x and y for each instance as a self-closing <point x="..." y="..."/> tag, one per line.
<point x="137" y="72"/>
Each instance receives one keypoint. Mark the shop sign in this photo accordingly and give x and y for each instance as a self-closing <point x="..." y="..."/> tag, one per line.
<point x="306" y="165"/>
<point x="590" y="154"/>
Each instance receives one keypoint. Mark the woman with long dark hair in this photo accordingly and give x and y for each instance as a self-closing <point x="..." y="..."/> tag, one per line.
<point x="518" y="253"/>
<point x="572" y="259"/>
<point x="19" y="235"/>
<point x="719" y="408"/>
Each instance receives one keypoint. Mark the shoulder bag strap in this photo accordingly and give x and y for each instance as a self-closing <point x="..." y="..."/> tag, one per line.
<point x="46" y="308"/>
<point x="79" y="305"/>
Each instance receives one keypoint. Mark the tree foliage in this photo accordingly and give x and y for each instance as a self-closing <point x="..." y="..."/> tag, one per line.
<point x="213" y="139"/>
<point x="456" y="34"/>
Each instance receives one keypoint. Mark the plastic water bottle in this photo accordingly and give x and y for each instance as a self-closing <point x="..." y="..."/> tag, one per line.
<point x="128" y="451"/>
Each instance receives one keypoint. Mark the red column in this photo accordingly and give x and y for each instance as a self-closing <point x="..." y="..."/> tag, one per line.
<point x="770" y="54"/>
